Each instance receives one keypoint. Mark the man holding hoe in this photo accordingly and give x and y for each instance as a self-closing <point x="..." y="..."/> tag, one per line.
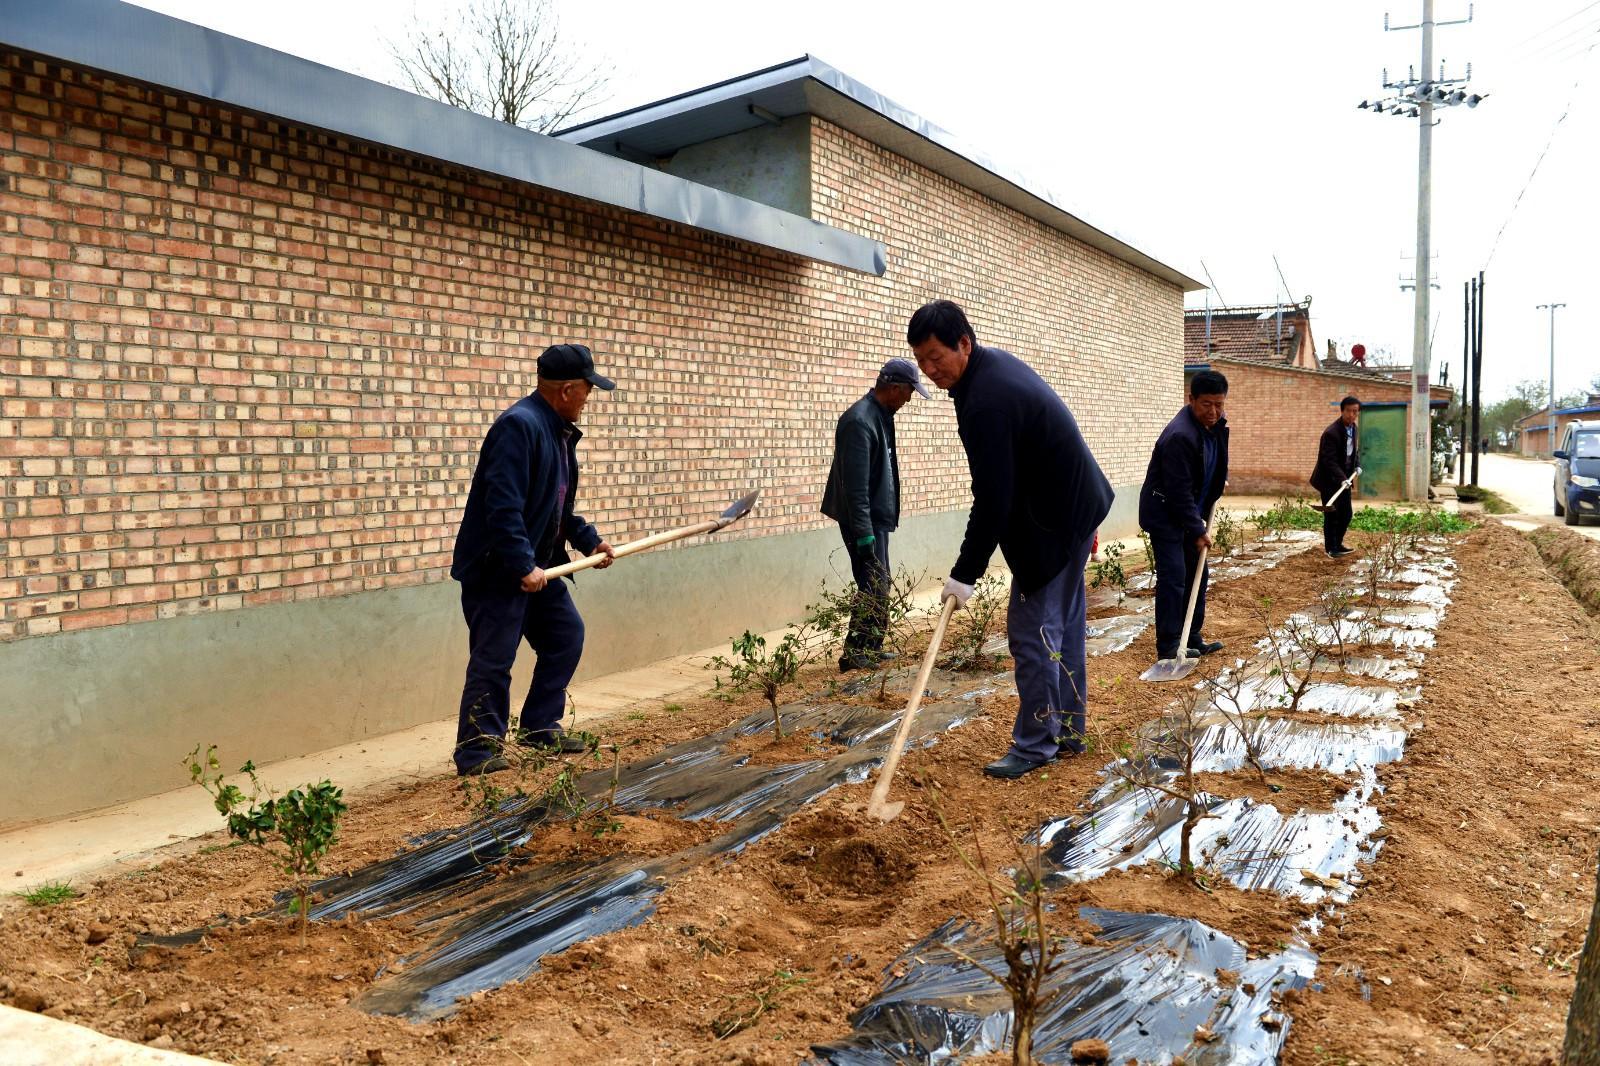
<point x="1037" y="494"/>
<point x="518" y="521"/>
<point x="1338" y="459"/>
<point x="1187" y="472"/>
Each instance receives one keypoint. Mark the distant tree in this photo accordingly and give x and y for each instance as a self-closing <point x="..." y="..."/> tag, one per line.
<point x="504" y="59"/>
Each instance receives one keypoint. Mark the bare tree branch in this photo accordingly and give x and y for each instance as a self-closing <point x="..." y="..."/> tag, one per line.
<point x="504" y="59"/>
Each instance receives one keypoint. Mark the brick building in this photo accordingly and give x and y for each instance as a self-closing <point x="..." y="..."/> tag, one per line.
<point x="1281" y="396"/>
<point x="256" y="315"/>
<point x="1533" y="430"/>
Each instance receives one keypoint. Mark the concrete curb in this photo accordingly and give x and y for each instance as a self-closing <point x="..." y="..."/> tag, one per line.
<point x="28" y="1039"/>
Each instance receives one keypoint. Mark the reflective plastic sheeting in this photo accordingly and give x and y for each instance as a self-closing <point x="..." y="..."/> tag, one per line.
<point x="1146" y="986"/>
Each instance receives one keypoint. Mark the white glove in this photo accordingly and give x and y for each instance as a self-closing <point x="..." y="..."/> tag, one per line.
<point x="962" y="592"/>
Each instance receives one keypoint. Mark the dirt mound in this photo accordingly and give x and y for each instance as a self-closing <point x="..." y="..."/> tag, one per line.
<point x="1575" y="560"/>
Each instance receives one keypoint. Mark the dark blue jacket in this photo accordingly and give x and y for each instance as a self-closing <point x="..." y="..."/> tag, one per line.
<point x="1176" y="499"/>
<point x="1037" y="491"/>
<point x="513" y="502"/>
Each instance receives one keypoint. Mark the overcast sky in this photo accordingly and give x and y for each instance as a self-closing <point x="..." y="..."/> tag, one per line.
<point x="1222" y="133"/>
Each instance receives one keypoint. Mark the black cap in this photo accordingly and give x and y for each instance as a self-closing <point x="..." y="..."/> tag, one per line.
<point x="902" y="372"/>
<point x="571" y="362"/>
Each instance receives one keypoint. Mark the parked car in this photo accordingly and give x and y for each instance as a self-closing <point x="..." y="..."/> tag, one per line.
<point x="1577" y="488"/>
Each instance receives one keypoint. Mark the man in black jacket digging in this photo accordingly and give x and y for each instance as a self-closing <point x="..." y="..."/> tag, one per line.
<point x="1187" y="471"/>
<point x="863" y="496"/>
<point x="1039" y="495"/>
<point x="518" y="521"/>
<point x="1338" y="455"/>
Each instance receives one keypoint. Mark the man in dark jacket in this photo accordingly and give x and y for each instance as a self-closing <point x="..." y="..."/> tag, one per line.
<point x="1338" y="455"/>
<point x="863" y="496"/>
<point x="518" y="521"/>
<point x="1188" y="469"/>
<point x="1039" y="495"/>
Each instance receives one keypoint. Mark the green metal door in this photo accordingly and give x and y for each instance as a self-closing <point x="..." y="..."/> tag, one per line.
<point x="1383" y="451"/>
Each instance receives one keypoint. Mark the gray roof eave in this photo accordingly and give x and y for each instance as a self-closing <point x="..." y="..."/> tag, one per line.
<point x="809" y="85"/>
<point x="132" y="42"/>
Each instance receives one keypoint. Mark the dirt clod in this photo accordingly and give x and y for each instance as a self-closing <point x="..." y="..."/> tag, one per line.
<point x="1091" y="1052"/>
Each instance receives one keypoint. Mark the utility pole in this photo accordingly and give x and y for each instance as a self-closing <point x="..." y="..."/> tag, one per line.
<point x="1550" y="420"/>
<point x="1466" y="375"/>
<point x="1477" y="380"/>
<point x="1416" y="98"/>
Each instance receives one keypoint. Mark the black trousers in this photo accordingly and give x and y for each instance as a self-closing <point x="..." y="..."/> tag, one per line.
<point x="1176" y="560"/>
<point x="500" y="616"/>
<point x="869" y="565"/>
<point x="1336" y="520"/>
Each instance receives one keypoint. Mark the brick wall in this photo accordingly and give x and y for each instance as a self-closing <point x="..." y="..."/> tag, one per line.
<point x="1108" y="336"/>
<point x="243" y="362"/>
<point x="1277" y="415"/>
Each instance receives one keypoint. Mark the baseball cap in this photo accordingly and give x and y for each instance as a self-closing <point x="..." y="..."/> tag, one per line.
<point x="902" y="372"/>
<point x="571" y="362"/>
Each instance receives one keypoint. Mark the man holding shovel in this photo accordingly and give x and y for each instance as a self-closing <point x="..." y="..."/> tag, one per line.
<point x="1187" y="472"/>
<point x="518" y="521"/>
<point x="1037" y="494"/>
<point x="863" y="496"/>
<point x="1338" y="458"/>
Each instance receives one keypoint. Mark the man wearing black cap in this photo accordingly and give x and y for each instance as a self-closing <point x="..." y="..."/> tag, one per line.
<point x="863" y="496"/>
<point x="518" y="521"/>
<point x="1037" y="494"/>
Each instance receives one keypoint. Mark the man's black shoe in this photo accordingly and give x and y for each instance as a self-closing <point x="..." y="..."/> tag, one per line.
<point x="492" y="765"/>
<point x="854" y="661"/>
<point x="1340" y="553"/>
<point x="1012" y="766"/>
<point x="1203" y="647"/>
<point x="556" y="741"/>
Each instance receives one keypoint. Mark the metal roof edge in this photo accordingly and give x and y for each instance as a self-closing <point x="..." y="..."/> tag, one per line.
<point x="1029" y="198"/>
<point x="133" y="42"/>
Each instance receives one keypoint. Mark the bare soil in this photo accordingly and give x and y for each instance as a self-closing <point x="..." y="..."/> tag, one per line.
<point x="1465" y="933"/>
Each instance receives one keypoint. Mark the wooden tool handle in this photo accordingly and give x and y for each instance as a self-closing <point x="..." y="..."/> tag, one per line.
<point x="629" y="548"/>
<point x="1194" y="590"/>
<point x="880" y="790"/>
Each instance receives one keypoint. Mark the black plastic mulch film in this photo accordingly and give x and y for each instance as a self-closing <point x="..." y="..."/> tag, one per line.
<point x="1143" y="987"/>
<point x="1148" y="986"/>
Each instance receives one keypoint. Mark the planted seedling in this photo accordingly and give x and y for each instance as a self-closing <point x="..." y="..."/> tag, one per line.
<point x="1015" y="905"/>
<point x="753" y="668"/>
<point x="296" y="829"/>
<point x="971" y="629"/>
<point x="1235" y="693"/>
<point x="1160" y="760"/>
<point x="1107" y="570"/>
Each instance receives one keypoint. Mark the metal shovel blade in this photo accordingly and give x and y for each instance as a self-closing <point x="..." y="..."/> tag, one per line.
<point x="888" y="812"/>
<point x="1169" y="670"/>
<point x="738" y="509"/>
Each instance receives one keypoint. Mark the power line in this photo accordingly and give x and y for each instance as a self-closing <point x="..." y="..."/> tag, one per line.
<point x="1558" y="22"/>
<point x="1550" y="48"/>
<point x="1566" y="110"/>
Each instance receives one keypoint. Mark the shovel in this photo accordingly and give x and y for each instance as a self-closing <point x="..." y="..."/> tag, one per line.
<point x="736" y="510"/>
<point x="879" y="806"/>
<point x="1177" y="669"/>
<point x="1342" y="486"/>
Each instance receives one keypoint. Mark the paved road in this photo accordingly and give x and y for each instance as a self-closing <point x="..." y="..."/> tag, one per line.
<point x="1529" y="486"/>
